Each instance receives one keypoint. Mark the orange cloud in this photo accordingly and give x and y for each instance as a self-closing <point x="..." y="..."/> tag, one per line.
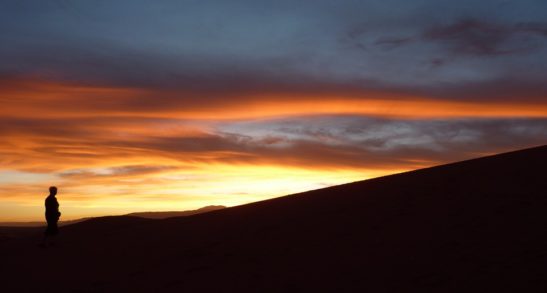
<point x="57" y="100"/>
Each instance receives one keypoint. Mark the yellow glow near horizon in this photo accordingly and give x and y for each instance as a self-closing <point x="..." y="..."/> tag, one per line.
<point x="169" y="191"/>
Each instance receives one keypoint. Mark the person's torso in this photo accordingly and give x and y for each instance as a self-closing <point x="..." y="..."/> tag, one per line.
<point x="52" y="206"/>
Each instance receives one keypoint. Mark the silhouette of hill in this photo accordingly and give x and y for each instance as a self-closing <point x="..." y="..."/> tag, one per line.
<point x="39" y="223"/>
<point x="472" y="226"/>
<point x="171" y="214"/>
<point x="149" y="215"/>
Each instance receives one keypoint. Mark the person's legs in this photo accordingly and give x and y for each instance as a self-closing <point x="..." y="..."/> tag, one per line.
<point x="53" y="235"/>
<point x="51" y="231"/>
<point x="44" y="240"/>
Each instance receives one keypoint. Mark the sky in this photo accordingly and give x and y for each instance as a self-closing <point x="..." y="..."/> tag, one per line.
<point x="138" y="105"/>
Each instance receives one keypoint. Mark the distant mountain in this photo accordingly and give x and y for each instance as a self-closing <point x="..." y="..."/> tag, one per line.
<point x="38" y="224"/>
<point x="148" y="215"/>
<point x="171" y="214"/>
<point x="472" y="226"/>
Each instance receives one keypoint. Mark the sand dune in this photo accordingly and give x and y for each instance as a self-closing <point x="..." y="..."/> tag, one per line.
<point x="473" y="226"/>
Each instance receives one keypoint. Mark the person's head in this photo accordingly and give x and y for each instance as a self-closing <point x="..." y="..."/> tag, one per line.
<point x="52" y="190"/>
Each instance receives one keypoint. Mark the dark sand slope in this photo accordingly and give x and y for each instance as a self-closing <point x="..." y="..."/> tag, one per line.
<point x="474" y="226"/>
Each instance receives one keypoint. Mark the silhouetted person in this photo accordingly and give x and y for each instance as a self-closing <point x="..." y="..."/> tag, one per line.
<point x="52" y="215"/>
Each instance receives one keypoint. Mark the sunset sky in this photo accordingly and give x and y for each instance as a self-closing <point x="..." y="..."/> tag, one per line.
<point x="173" y="105"/>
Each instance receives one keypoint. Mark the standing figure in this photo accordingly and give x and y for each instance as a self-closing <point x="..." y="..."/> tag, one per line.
<point x="52" y="215"/>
